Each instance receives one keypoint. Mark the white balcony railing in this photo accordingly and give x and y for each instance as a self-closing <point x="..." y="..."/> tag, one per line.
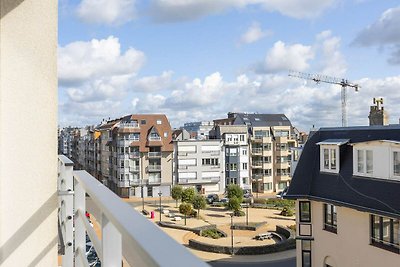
<point x="154" y="154"/>
<point x="134" y="154"/>
<point x="154" y="168"/>
<point x="125" y="232"/>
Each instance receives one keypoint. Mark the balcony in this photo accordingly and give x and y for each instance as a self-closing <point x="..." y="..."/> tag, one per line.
<point x="154" y="168"/>
<point x="257" y="164"/>
<point x="134" y="155"/>
<point x="257" y="176"/>
<point x="122" y="226"/>
<point x="154" y="154"/>
<point x="256" y="151"/>
<point x="154" y="138"/>
<point x="124" y="183"/>
<point x="134" y="168"/>
<point x="154" y="180"/>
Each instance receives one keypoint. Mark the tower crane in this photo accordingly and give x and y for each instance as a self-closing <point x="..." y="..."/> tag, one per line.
<point x="344" y="83"/>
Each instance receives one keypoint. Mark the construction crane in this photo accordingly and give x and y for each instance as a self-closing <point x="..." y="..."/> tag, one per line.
<point x="344" y="83"/>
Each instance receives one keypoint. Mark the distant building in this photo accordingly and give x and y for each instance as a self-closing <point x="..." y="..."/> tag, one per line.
<point x="180" y="134"/>
<point x="377" y="114"/>
<point x="199" y="130"/>
<point x="199" y="164"/>
<point x="271" y="137"/>
<point x="347" y="186"/>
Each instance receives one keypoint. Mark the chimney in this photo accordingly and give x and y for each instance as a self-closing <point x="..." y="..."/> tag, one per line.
<point x="377" y="114"/>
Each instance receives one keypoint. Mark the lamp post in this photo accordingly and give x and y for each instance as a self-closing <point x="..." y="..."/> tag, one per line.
<point x="231" y="233"/>
<point x="159" y="193"/>
<point x="247" y="214"/>
<point x="142" y="199"/>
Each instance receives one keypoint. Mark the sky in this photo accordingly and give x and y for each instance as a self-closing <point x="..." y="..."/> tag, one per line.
<point x="197" y="60"/>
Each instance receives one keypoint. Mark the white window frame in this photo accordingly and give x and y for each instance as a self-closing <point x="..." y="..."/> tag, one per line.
<point x="363" y="172"/>
<point x="337" y="154"/>
<point x="392" y="175"/>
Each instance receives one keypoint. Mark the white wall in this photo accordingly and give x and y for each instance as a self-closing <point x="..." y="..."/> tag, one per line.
<point x="28" y="136"/>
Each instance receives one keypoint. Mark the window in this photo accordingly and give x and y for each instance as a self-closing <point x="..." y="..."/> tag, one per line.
<point x="267" y="186"/>
<point x="385" y="233"/>
<point x="241" y="137"/>
<point x="282" y="185"/>
<point x="165" y="134"/>
<point x="306" y="253"/>
<point x="364" y="161"/>
<point x="396" y="163"/>
<point x="244" y="166"/>
<point x="330" y="159"/>
<point x="244" y="151"/>
<point x="210" y="161"/>
<point x="158" y="122"/>
<point x="305" y="211"/>
<point x="232" y="167"/>
<point x="143" y="122"/>
<point x="330" y="218"/>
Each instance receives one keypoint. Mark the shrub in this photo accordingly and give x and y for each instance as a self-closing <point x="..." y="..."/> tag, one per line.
<point x="286" y="211"/>
<point x="239" y="213"/>
<point x="185" y="209"/>
<point x="276" y="202"/>
<point x="188" y="195"/>
<point x="260" y="201"/>
<point x="211" y="233"/>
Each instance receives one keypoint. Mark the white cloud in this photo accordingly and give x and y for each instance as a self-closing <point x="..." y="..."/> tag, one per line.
<point x="81" y="61"/>
<point x="383" y="33"/>
<point x="254" y="33"/>
<point x="331" y="59"/>
<point x="153" y="83"/>
<point x="283" y="57"/>
<point x="184" y="10"/>
<point x="110" y="12"/>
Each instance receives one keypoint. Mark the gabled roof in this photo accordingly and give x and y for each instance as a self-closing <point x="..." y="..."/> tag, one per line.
<point x="378" y="196"/>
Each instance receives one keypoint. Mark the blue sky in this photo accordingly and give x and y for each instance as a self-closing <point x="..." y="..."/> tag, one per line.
<point x="199" y="59"/>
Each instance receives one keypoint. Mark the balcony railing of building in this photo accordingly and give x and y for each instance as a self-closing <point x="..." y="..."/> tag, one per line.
<point x="155" y="180"/>
<point x="154" y="155"/>
<point x="134" y="154"/>
<point x="256" y="150"/>
<point x="134" y="168"/>
<point x="257" y="163"/>
<point x="154" y="168"/>
<point x="154" y="138"/>
<point x="125" y="232"/>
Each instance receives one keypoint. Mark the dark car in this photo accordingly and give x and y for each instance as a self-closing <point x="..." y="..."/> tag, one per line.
<point x="211" y="198"/>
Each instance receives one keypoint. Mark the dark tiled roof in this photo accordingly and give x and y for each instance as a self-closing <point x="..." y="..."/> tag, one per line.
<point x="262" y="119"/>
<point x="365" y="194"/>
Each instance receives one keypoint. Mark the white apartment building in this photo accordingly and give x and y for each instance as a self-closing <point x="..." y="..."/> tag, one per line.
<point x="200" y="164"/>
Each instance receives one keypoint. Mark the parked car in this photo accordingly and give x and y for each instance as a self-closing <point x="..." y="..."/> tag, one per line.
<point x="282" y="193"/>
<point x="211" y="198"/>
<point x="224" y="200"/>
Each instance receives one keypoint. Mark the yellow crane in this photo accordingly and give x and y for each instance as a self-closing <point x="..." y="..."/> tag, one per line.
<point x="344" y="83"/>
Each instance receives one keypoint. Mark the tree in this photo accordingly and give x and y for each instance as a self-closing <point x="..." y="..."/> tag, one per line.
<point x="185" y="209"/>
<point x="188" y="195"/>
<point x="176" y="193"/>
<point x="234" y="204"/>
<point x="234" y="190"/>
<point x="199" y="202"/>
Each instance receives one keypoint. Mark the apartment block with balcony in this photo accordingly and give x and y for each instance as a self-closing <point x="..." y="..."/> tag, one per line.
<point x="271" y="137"/>
<point x="235" y="140"/>
<point x="141" y="156"/>
<point x="200" y="164"/>
<point x="347" y="184"/>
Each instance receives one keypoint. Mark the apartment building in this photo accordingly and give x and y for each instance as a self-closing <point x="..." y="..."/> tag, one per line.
<point x="200" y="164"/>
<point x="141" y="151"/>
<point x="347" y="185"/>
<point x="199" y="129"/>
<point x="271" y="137"/>
<point x="235" y="140"/>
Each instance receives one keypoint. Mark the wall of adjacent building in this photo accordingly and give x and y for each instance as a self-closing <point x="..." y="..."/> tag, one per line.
<point x="28" y="136"/>
<point x="350" y="246"/>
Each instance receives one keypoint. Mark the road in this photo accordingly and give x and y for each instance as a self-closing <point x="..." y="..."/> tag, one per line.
<point x="278" y="263"/>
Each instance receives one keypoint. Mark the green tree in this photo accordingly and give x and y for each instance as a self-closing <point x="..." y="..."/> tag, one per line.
<point x="188" y="195"/>
<point x="234" y="204"/>
<point x="176" y="193"/>
<point x="234" y="190"/>
<point x="185" y="209"/>
<point x="199" y="202"/>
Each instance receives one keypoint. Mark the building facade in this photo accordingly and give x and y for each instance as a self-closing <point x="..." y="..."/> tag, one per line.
<point x="199" y="130"/>
<point x="347" y="184"/>
<point x="200" y="164"/>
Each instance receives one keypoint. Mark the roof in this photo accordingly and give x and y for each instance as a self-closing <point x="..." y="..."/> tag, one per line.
<point x="261" y="120"/>
<point x="337" y="142"/>
<point x="366" y="194"/>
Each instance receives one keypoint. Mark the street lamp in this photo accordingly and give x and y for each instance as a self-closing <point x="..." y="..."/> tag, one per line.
<point x="159" y="193"/>
<point x="231" y="214"/>
<point x="247" y="214"/>
<point x="142" y="198"/>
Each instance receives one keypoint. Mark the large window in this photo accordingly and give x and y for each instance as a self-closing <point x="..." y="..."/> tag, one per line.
<point x="396" y="163"/>
<point x="305" y="211"/>
<point x="385" y="233"/>
<point x="329" y="157"/>
<point x="330" y="218"/>
<point x="364" y="161"/>
<point x="306" y="253"/>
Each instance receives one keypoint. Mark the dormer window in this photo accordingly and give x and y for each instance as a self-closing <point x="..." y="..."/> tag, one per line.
<point x="364" y="161"/>
<point x="329" y="154"/>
